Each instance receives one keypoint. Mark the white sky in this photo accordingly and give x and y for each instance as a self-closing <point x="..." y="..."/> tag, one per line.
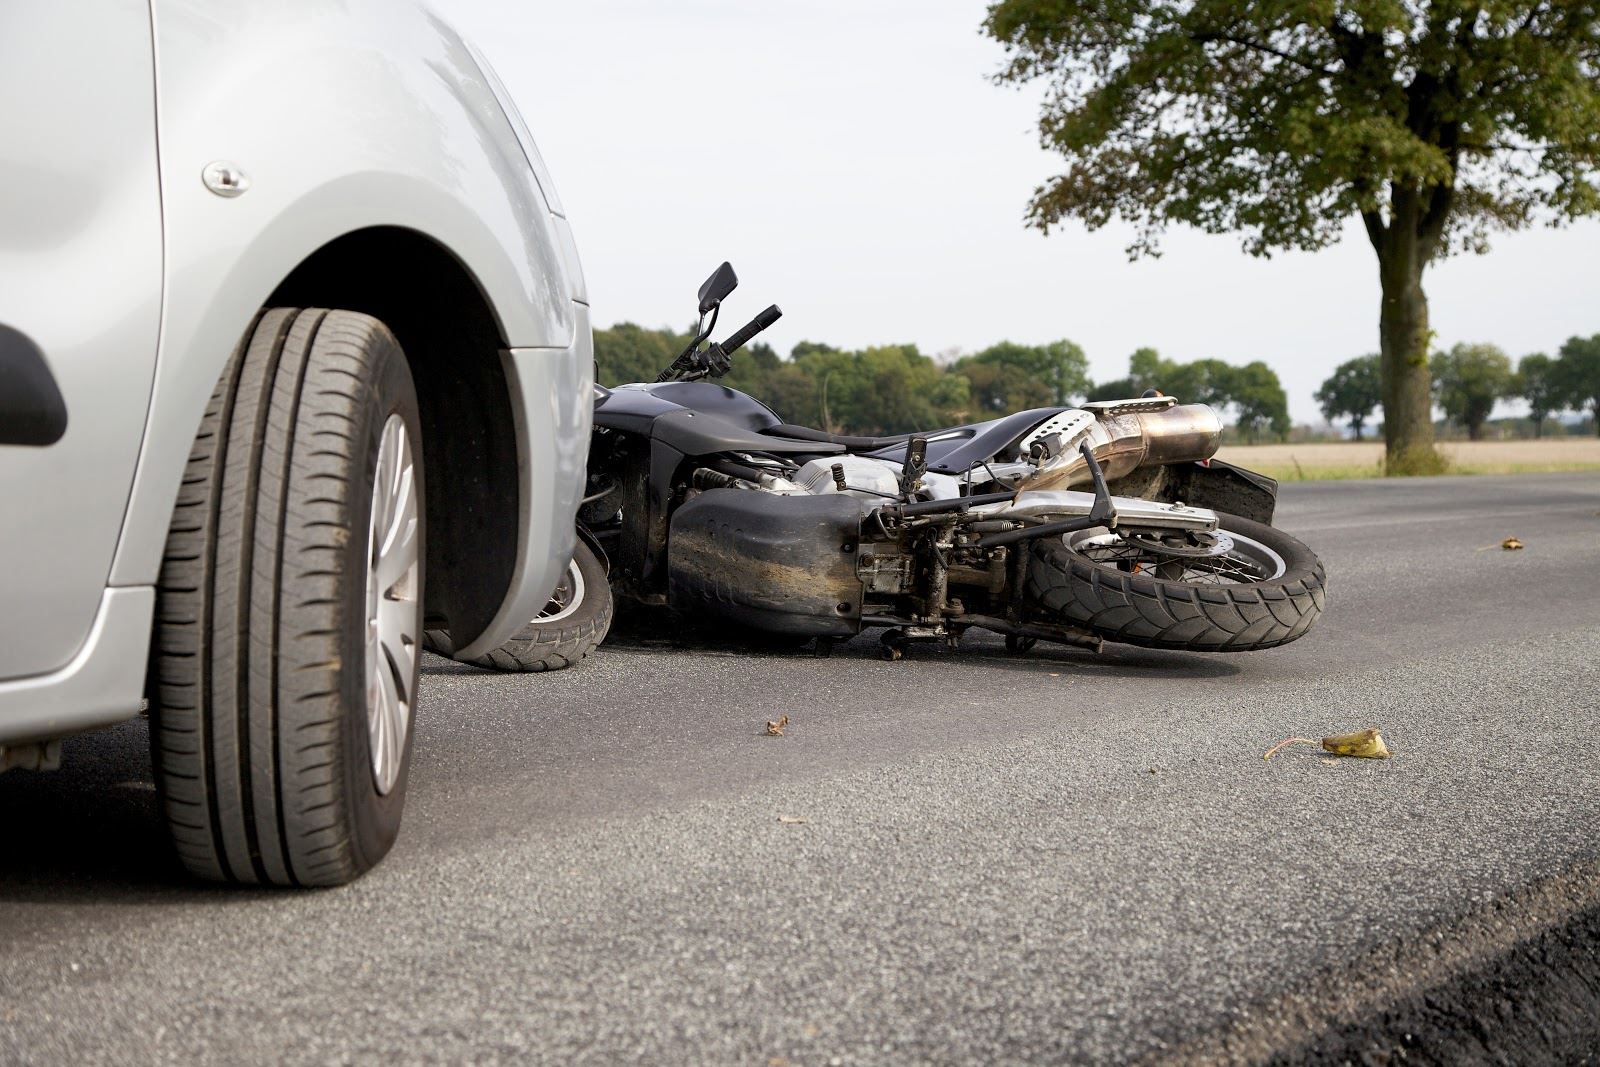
<point x="854" y="162"/>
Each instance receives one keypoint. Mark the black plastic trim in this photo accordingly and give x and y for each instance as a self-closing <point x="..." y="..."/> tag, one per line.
<point x="32" y="411"/>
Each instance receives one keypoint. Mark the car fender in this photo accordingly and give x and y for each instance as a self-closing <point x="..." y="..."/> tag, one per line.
<point x="389" y="101"/>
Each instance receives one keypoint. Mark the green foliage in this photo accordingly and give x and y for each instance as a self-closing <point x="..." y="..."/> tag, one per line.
<point x="1259" y="401"/>
<point x="1282" y="120"/>
<point x="629" y="353"/>
<point x="1253" y="391"/>
<point x="1469" y="379"/>
<point x="1012" y="377"/>
<point x="1539" y="384"/>
<point x="1352" y="392"/>
<point x="1578" y="372"/>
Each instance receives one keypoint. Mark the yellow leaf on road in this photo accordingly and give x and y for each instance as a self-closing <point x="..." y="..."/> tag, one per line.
<point x="1366" y="744"/>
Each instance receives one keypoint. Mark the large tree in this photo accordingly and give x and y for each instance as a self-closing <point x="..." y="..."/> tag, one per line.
<point x="1352" y="392"/>
<point x="1470" y="378"/>
<point x="1431" y="122"/>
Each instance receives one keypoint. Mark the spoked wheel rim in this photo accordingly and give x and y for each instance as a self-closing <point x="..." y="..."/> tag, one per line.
<point x="393" y="622"/>
<point x="567" y="598"/>
<point x="1219" y="558"/>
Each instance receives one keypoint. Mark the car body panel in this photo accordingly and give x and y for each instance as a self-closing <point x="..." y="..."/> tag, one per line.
<point x="422" y="145"/>
<point x="80" y="276"/>
<point x="342" y="117"/>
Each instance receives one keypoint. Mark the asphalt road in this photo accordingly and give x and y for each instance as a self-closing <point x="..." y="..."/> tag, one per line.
<point x="1056" y="857"/>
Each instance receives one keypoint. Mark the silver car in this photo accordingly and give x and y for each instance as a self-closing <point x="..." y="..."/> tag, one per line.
<point x="295" y="358"/>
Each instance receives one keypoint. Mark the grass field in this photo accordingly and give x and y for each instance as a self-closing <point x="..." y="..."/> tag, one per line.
<point x="1318" y="462"/>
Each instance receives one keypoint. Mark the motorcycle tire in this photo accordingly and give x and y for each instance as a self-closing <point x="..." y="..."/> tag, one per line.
<point x="571" y="626"/>
<point x="1268" y="590"/>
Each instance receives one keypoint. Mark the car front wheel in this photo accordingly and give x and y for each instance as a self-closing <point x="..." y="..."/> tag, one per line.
<point x="289" y="614"/>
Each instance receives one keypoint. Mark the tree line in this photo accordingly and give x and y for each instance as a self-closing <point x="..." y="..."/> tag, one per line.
<point x="1468" y="379"/>
<point x="889" y="389"/>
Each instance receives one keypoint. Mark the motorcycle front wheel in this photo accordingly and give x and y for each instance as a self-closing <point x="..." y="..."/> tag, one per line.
<point x="1249" y="587"/>
<point x="570" y="627"/>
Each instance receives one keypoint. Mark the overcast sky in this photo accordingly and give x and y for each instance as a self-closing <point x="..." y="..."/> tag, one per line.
<point x="856" y="164"/>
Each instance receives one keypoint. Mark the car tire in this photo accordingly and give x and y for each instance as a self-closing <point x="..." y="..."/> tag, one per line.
<point x="278" y="638"/>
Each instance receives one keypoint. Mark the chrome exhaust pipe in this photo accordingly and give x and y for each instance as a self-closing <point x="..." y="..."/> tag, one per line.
<point x="1124" y="435"/>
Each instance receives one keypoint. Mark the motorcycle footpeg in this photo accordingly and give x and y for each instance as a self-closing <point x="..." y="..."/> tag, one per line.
<point x="1104" y="511"/>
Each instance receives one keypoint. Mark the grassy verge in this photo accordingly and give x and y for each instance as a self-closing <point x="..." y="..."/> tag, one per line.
<point x="1340" y="461"/>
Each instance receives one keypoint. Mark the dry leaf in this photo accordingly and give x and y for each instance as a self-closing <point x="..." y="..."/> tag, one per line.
<point x="793" y="820"/>
<point x="1365" y="744"/>
<point x="1511" y="544"/>
<point x="775" y="727"/>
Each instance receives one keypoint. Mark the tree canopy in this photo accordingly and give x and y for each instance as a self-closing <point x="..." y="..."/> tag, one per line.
<point x="1351" y="393"/>
<point x="1578" y="371"/>
<point x="1470" y="378"/>
<point x="1011" y="377"/>
<point x="1538" y="383"/>
<point x="1432" y="121"/>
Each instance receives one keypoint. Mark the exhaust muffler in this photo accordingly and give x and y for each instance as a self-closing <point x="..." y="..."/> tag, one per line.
<point x="1124" y="435"/>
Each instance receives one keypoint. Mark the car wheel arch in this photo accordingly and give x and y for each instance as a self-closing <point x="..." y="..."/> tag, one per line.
<point x="453" y="341"/>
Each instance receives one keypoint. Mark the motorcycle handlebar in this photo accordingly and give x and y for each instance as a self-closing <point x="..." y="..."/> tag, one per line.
<point x="751" y="328"/>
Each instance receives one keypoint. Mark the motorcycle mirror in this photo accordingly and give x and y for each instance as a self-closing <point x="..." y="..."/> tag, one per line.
<point x="722" y="282"/>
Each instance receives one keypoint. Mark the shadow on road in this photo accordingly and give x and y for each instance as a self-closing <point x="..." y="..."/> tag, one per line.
<point x="978" y="651"/>
<point x="91" y="832"/>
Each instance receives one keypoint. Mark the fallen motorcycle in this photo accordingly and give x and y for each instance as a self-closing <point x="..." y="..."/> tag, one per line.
<point x="1106" y="522"/>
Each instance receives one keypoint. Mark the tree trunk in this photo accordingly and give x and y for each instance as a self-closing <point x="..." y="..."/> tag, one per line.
<point x="1404" y="336"/>
<point x="1356" y="426"/>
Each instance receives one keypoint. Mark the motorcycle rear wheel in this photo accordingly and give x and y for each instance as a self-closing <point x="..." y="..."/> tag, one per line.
<point x="1266" y="589"/>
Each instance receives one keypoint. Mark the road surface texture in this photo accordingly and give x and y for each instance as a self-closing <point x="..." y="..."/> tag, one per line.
<point x="1059" y="857"/>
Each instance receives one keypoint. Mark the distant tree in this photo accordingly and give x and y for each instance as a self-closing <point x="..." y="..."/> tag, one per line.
<point x="1003" y="387"/>
<point x="1470" y="378"/>
<point x="1116" y="389"/>
<point x="886" y="389"/>
<point x="794" y="394"/>
<point x="1253" y="391"/>
<point x="1059" y="372"/>
<point x="1578" y="370"/>
<point x="1146" y="369"/>
<point x="810" y="348"/>
<point x="1432" y="121"/>
<point x="630" y="353"/>
<point x="1352" y="392"/>
<point x="1258" y="397"/>
<point x="1538" y="383"/>
<point x="1205" y="381"/>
